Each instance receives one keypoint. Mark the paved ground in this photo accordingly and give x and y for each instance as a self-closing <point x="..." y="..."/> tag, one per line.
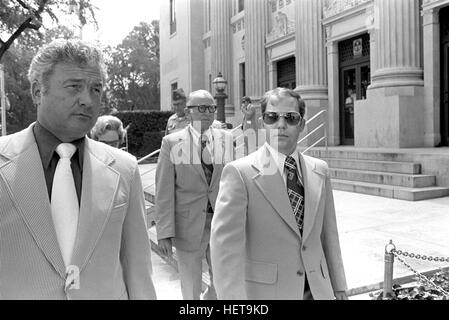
<point x="366" y="224"/>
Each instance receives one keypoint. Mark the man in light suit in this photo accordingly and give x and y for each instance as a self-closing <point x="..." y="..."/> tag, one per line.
<point x="94" y="245"/>
<point x="187" y="179"/>
<point x="274" y="232"/>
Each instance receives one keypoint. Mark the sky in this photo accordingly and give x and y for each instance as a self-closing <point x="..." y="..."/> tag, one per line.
<point x="116" y="18"/>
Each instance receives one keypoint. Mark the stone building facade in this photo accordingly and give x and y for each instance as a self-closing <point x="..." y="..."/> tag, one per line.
<point x="380" y="68"/>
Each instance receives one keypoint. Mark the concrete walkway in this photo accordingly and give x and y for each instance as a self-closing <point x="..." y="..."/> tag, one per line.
<point x="366" y="224"/>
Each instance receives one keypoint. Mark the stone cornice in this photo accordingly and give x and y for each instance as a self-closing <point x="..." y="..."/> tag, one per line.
<point x="334" y="7"/>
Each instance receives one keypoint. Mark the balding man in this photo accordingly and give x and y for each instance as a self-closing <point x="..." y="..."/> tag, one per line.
<point x="187" y="180"/>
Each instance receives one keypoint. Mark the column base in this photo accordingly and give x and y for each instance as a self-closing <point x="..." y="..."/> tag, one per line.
<point x="390" y="118"/>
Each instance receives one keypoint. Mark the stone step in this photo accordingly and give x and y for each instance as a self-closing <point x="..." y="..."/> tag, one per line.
<point x="387" y="178"/>
<point x="388" y="191"/>
<point x="361" y="155"/>
<point x="373" y="165"/>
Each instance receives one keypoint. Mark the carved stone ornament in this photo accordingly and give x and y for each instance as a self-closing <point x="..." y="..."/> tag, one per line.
<point x="333" y="7"/>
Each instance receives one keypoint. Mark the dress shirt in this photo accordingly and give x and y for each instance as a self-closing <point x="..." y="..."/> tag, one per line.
<point x="210" y="139"/>
<point x="47" y="143"/>
<point x="279" y="159"/>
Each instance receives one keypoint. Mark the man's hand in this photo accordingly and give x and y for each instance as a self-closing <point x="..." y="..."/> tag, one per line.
<point x="341" y="295"/>
<point x="166" y="246"/>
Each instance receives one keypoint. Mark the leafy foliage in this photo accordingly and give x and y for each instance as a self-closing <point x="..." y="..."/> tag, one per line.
<point x="146" y="129"/>
<point x="24" y="18"/>
<point x="420" y="291"/>
<point x="134" y="70"/>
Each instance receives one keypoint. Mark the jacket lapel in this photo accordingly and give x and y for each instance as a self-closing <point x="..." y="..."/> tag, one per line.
<point x="100" y="184"/>
<point x="313" y="185"/>
<point x="268" y="180"/>
<point x="25" y="177"/>
<point x="219" y="150"/>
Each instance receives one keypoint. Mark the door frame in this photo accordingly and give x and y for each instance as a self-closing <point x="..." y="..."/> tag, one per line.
<point x="358" y="87"/>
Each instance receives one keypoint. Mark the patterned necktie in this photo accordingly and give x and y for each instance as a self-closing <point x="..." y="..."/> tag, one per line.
<point x="295" y="191"/>
<point x="206" y="160"/>
<point x="206" y="163"/>
<point x="64" y="202"/>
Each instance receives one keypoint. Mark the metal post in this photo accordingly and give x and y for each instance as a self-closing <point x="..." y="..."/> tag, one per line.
<point x="3" y="99"/>
<point x="220" y="97"/>
<point x="388" y="272"/>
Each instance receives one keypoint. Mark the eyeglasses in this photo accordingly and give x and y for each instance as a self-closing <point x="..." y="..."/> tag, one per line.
<point x="202" y="108"/>
<point x="292" y="118"/>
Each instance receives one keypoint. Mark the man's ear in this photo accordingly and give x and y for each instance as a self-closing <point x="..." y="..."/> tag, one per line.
<point x="303" y="124"/>
<point x="36" y="91"/>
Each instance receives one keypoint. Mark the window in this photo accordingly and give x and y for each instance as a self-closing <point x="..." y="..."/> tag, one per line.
<point x="241" y="5"/>
<point x="172" y="17"/>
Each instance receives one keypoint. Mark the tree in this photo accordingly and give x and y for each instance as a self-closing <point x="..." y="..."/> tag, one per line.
<point x="18" y="17"/>
<point x="133" y="68"/>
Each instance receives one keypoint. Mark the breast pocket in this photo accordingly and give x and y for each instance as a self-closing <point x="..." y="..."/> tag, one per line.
<point x="118" y="212"/>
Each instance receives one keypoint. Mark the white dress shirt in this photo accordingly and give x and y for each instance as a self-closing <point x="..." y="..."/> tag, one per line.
<point x="279" y="158"/>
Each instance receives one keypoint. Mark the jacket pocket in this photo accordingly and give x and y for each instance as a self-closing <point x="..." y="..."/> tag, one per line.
<point x="323" y="268"/>
<point x="118" y="212"/>
<point x="262" y="272"/>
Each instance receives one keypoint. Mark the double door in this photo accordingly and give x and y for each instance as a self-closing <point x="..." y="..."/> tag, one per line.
<point x="354" y="80"/>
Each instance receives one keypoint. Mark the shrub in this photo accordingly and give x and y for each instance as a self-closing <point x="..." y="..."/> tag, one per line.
<point x="146" y="129"/>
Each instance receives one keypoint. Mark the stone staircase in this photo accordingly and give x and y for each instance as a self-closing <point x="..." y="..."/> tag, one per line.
<point x="387" y="174"/>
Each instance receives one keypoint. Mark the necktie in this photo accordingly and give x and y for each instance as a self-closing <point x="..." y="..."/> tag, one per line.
<point x="295" y="191"/>
<point x="206" y="160"/>
<point x="64" y="202"/>
<point x="206" y="163"/>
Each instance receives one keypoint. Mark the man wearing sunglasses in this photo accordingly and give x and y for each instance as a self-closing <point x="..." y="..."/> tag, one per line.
<point x="274" y="231"/>
<point x="187" y="180"/>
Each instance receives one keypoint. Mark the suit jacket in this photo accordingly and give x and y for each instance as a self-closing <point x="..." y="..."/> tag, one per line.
<point x="112" y="248"/>
<point x="182" y="191"/>
<point x="256" y="248"/>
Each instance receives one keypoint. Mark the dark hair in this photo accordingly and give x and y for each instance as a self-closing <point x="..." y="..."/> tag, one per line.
<point x="283" y="92"/>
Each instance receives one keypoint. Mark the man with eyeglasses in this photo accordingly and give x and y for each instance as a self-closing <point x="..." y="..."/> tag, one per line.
<point x="274" y="231"/>
<point x="179" y="120"/>
<point x="187" y="180"/>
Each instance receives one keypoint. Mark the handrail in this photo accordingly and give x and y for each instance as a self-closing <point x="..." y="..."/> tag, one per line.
<point x="310" y="133"/>
<point x="324" y="137"/>
<point x="155" y="152"/>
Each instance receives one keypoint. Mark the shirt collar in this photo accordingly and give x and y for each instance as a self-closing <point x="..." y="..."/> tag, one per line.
<point x="279" y="158"/>
<point x="47" y="143"/>
<point x="196" y="135"/>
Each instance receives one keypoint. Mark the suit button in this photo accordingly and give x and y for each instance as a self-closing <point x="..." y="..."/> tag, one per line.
<point x="300" y="273"/>
<point x="304" y="248"/>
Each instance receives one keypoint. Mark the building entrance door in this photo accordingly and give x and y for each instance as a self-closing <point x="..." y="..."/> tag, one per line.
<point x="444" y="27"/>
<point x="354" y="79"/>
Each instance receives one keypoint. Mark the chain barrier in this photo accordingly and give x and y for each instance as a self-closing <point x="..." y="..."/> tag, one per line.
<point x="420" y="257"/>
<point x="422" y="277"/>
<point x="391" y="249"/>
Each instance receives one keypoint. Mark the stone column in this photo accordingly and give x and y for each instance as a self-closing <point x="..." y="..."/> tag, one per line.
<point x="392" y="114"/>
<point x="311" y="67"/>
<point x="256" y="18"/>
<point x="431" y="38"/>
<point x="334" y="111"/>
<point x="221" y="11"/>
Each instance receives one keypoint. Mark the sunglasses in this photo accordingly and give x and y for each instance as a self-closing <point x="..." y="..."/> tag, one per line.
<point x="292" y="118"/>
<point x="202" y="108"/>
